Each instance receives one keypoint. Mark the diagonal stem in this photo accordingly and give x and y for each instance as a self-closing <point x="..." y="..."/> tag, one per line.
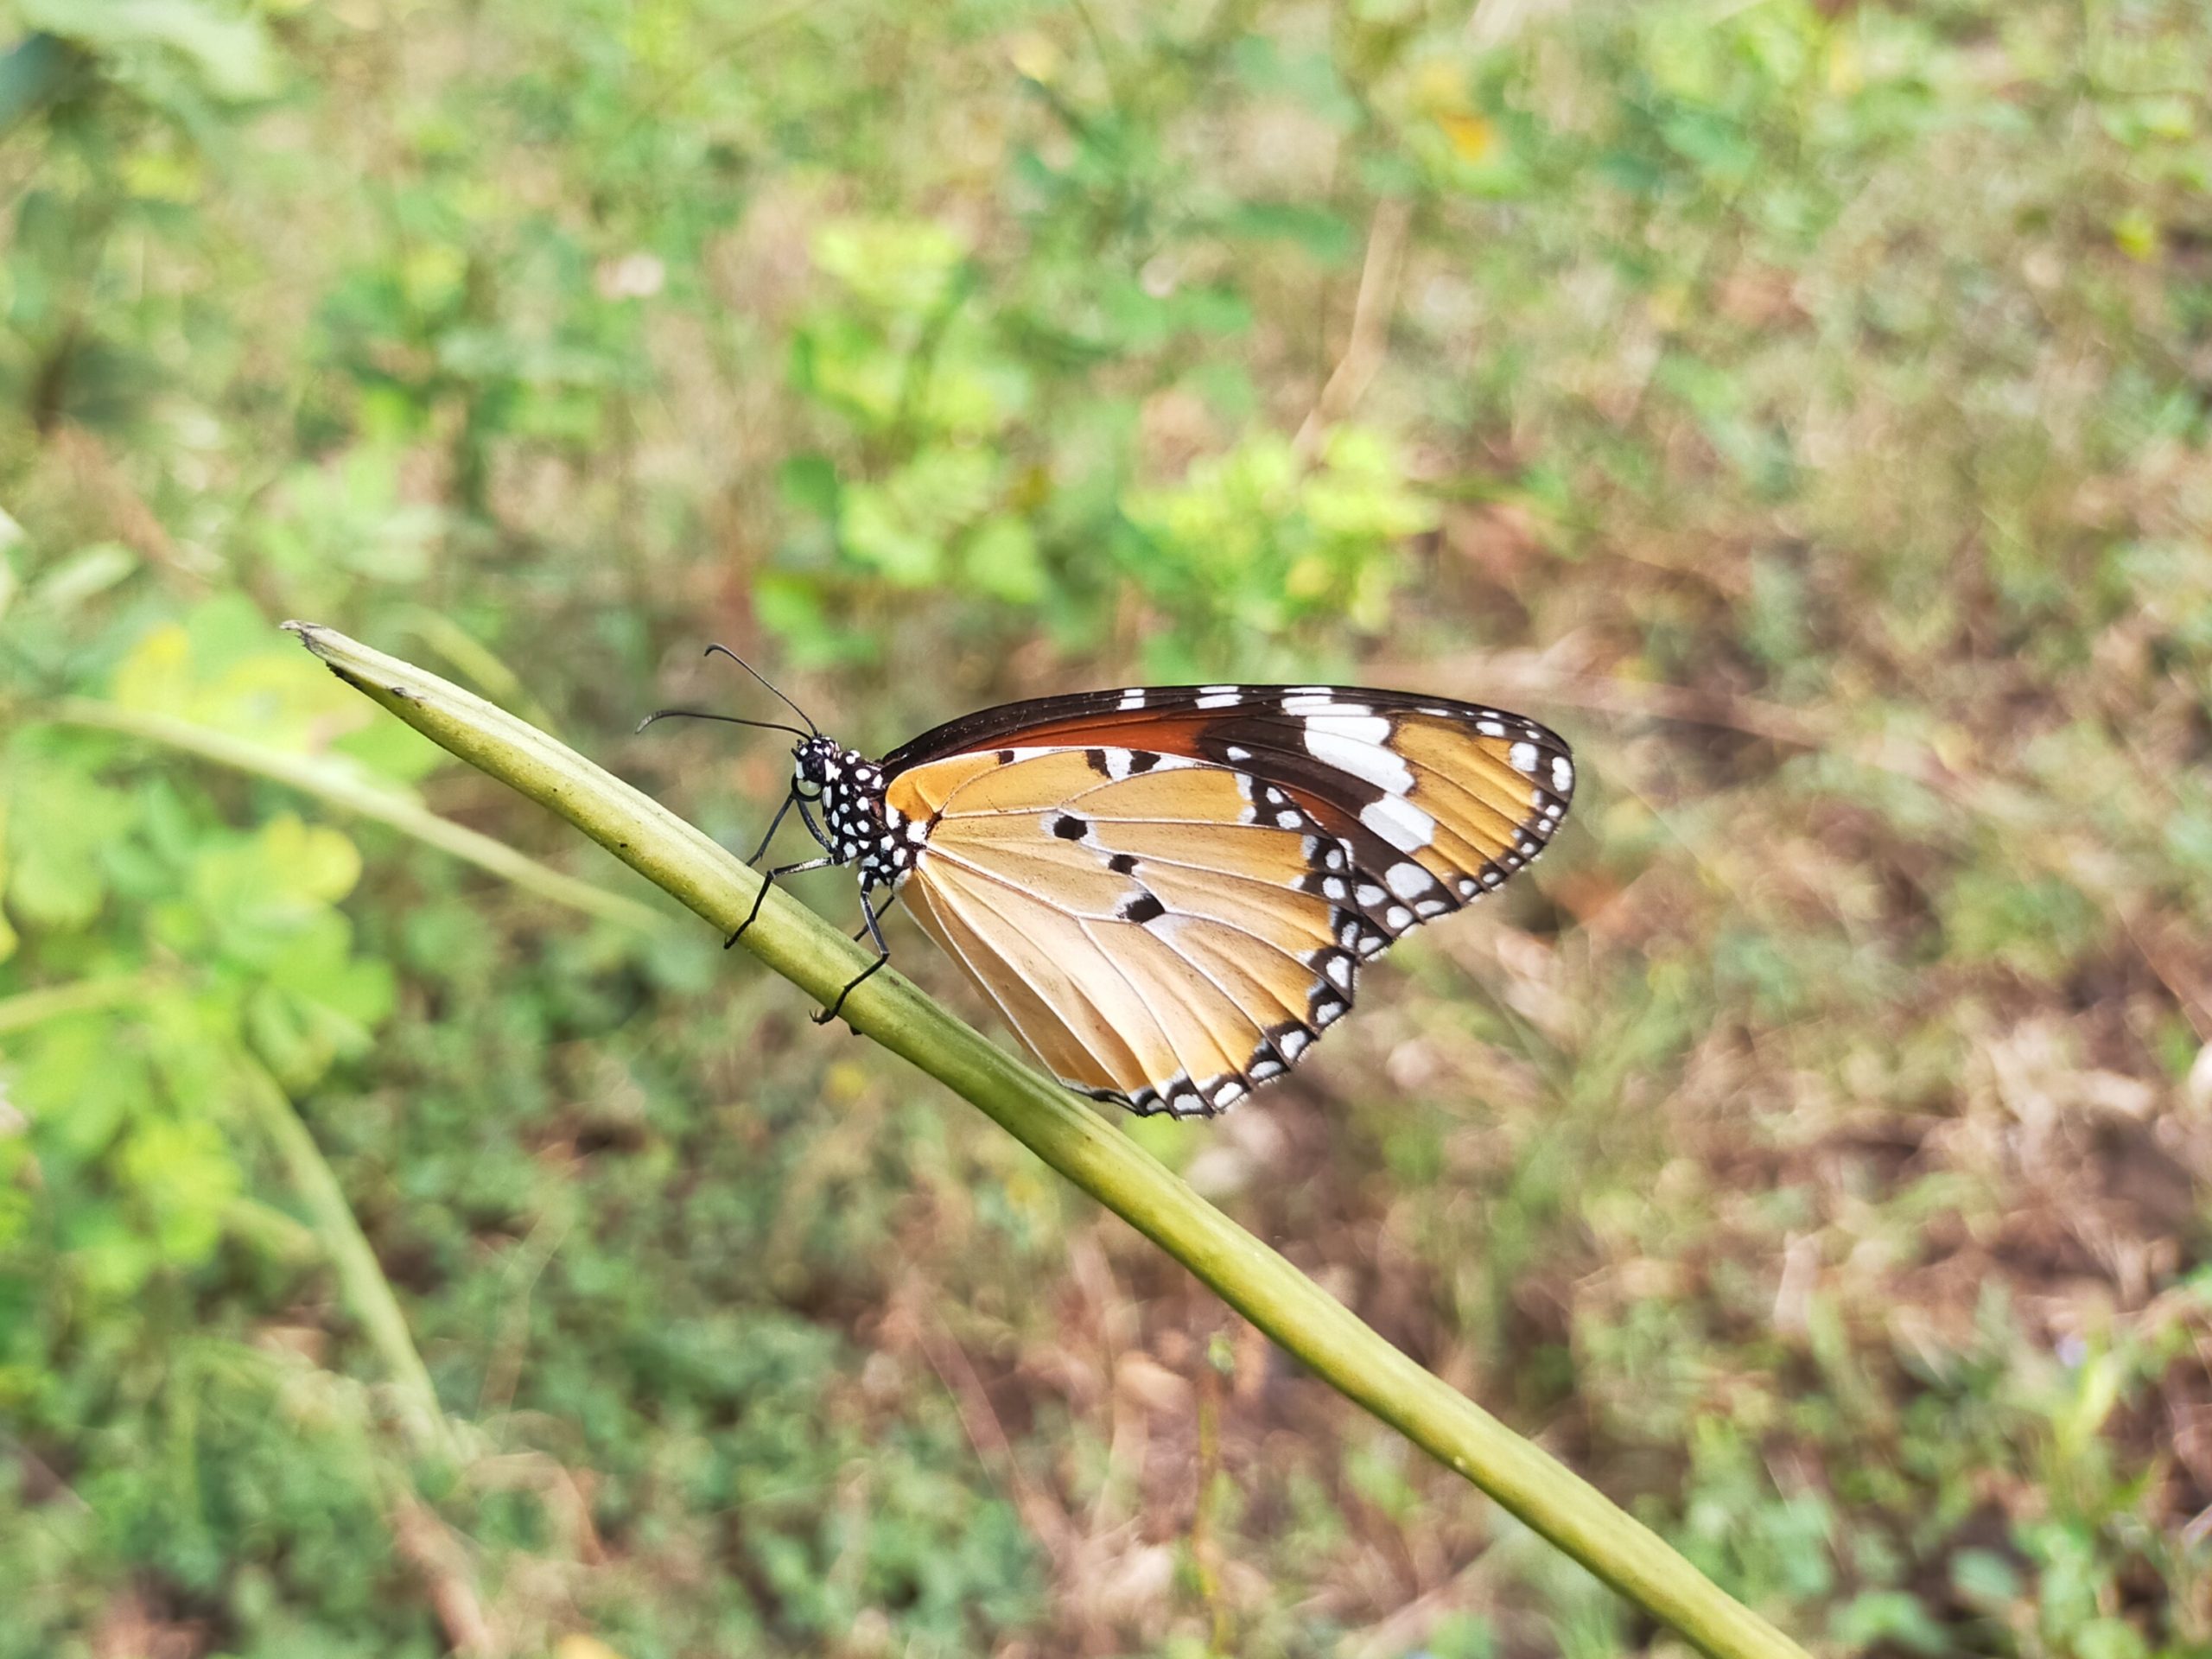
<point x="1078" y="1142"/>
<point x="361" y="1279"/>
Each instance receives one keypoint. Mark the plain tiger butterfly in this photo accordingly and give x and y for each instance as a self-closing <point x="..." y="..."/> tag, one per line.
<point x="1169" y="892"/>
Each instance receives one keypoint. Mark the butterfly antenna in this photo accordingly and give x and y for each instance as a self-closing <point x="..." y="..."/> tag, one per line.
<point x="763" y="678"/>
<point x="732" y="720"/>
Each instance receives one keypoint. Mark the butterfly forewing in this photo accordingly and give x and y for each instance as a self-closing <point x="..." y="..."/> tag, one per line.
<point x="1167" y="891"/>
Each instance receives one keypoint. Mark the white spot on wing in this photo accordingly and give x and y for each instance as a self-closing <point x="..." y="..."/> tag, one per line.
<point x="1348" y="745"/>
<point x="1316" y="700"/>
<point x="1401" y="824"/>
<point x="1408" y="880"/>
<point x="1348" y="722"/>
<point x="1397" y="918"/>
<point x="1132" y="698"/>
<point x="1219" y="699"/>
<point x="1562" y="773"/>
<point x="1523" y="757"/>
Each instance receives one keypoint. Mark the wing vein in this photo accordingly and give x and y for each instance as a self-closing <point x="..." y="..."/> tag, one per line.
<point x="1013" y="885"/>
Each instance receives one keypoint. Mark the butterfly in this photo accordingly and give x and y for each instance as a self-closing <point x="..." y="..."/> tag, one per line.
<point x="1169" y="892"/>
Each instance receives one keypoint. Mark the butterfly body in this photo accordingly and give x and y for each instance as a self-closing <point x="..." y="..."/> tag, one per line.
<point x="1169" y="892"/>
<point x="861" y="827"/>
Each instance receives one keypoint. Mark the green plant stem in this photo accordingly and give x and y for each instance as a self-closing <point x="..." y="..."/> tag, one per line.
<point x="79" y="996"/>
<point x="335" y="786"/>
<point x="1078" y="1142"/>
<point x="367" y="1292"/>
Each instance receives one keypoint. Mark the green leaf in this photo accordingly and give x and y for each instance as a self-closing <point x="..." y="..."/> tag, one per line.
<point x="256" y="893"/>
<point x="878" y="534"/>
<point x="810" y="483"/>
<point x="900" y="528"/>
<point x="348" y="516"/>
<point x="232" y="52"/>
<point x="1320" y="232"/>
<point x="790" y="606"/>
<point x="1892" y="1615"/>
<point x="183" y="1178"/>
<point x="317" y="1003"/>
<point x="79" y="1083"/>
<point x="110" y="1257"/>
<point x="58" y="819"/>
<point x="1000" y="559"/>
<point x="903" y="266"/>
<point x="1984" y="1578"/>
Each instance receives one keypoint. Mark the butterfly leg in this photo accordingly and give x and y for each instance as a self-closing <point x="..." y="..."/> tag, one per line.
<point x="768" y="882"/>
<point x="793" y="799"/>
<point x="775" y="824"/>
<point x="874" y="930"/>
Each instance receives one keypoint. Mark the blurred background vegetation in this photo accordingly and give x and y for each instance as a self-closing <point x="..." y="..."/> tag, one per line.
<point x="1802" y="406"/>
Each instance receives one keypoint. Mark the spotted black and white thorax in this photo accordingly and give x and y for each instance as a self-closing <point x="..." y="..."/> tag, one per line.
<point x="859" y="826"/>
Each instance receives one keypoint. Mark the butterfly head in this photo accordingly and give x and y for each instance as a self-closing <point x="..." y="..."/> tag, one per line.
<point x="818" y="764"/>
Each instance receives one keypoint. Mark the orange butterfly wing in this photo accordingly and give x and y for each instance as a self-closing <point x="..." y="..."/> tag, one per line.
<point x="1168" y="891"/>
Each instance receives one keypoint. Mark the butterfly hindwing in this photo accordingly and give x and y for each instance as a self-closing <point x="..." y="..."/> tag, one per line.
<point x="1145" y="933"/>
<point x="1168" y="891"/>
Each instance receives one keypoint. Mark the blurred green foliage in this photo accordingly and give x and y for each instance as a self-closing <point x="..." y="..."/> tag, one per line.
<point x="1823" y="1163"/>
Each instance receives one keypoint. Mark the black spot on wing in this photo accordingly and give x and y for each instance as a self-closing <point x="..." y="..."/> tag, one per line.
<point x="1144" y="908"/>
